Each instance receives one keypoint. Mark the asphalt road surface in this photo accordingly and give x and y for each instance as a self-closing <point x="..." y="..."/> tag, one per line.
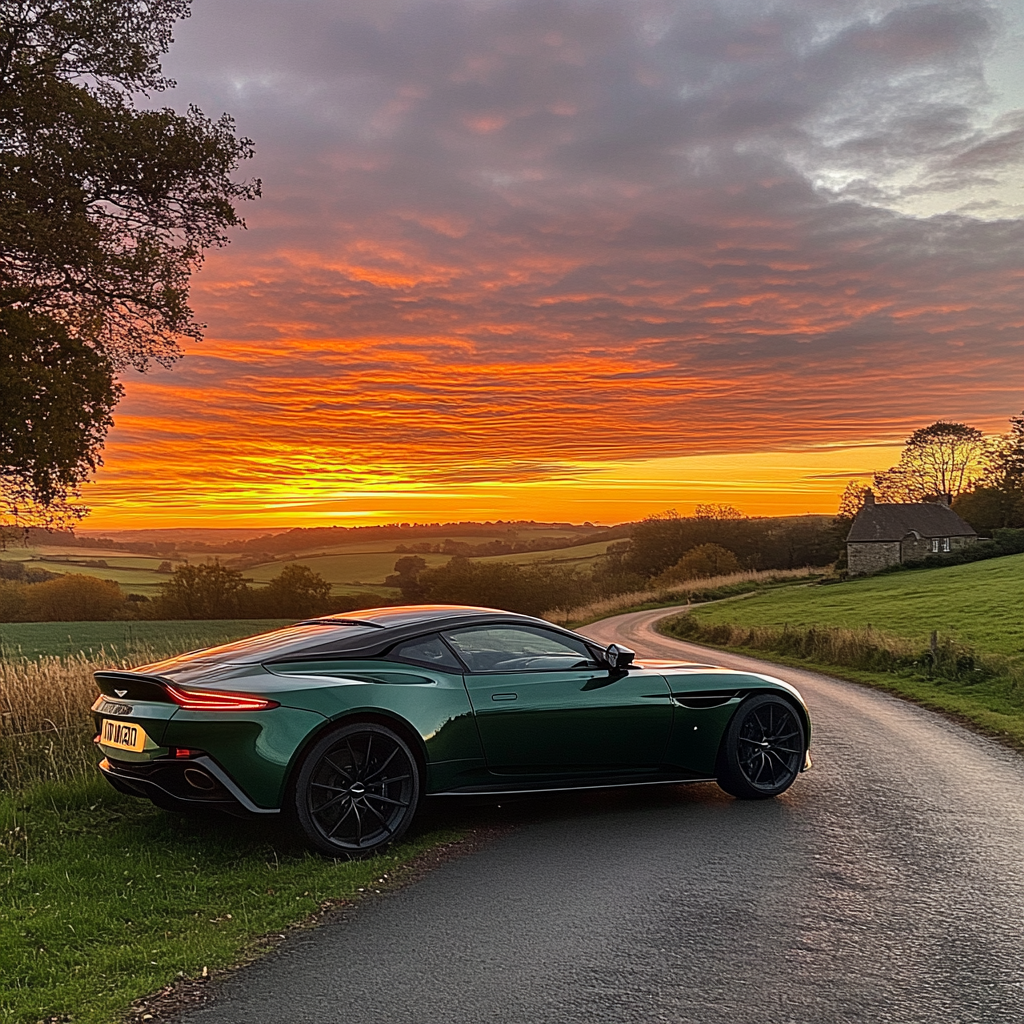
<point x="887" y="885"/>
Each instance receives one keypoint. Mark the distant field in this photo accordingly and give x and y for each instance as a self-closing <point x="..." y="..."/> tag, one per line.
<point x="978" y="604"/>
<point x="145" y="581"/>
<point x="579" y="555"/>
<point x="458" y="538"/>
<point x="34" y="639"/>
<point x="364" y="566"/>
<point x="349" y="568"/>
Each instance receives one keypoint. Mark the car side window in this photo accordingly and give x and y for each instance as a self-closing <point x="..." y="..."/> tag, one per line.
<point x="426" y="650"/>
<point x="518" y="648"/>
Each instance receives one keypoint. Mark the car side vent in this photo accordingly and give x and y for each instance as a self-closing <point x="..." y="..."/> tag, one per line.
<point x="705" y="700"/>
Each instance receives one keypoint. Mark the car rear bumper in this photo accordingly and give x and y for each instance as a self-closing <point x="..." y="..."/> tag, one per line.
<point x="191" y="782"/>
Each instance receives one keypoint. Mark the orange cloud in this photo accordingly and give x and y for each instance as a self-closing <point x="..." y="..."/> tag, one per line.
<point x="521" y="253"/>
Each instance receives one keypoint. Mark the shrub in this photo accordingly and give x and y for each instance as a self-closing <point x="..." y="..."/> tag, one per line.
<point x="72" y="599"/>
<point x="701" y="562"/>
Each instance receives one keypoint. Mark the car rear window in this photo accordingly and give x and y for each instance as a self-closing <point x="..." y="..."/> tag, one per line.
<point x="287" y="641"/>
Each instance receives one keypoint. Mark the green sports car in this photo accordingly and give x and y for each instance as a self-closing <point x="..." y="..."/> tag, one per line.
<point x="346" y="722"/>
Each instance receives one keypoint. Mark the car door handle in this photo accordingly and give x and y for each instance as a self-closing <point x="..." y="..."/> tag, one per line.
<point x="504" y="696"/>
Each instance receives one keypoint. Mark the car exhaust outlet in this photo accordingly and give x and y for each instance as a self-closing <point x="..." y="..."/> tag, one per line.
<point x="199" y="780"/>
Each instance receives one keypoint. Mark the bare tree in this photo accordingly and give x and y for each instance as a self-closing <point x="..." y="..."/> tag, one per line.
<point x="939" y="460"/>
<point x="852" y="500"/>
<point x="715" y="511"/>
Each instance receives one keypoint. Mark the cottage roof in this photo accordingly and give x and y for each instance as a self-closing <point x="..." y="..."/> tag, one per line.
<point x="888" y="522"/>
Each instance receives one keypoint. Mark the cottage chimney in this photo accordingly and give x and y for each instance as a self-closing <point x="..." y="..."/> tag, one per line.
<point x="945" y="499"/>
<point x="869" y="497"/>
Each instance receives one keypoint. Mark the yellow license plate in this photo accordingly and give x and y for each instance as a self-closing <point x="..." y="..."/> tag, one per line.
<point x="122" y="735"/>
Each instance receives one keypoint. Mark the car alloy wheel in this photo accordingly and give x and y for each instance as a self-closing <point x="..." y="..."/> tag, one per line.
<point x="763" y="748"/>
<point x="357" y="790"/>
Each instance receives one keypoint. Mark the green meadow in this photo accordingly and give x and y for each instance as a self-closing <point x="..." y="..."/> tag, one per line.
<point x="69" y="639"/>
<point x="980" y="604"/>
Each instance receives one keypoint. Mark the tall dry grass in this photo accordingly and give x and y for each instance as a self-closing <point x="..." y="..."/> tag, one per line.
<point x="683" y="593"/>
<point x="46" y="728"/>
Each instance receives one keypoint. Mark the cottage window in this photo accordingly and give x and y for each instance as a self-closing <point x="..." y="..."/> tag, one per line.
<point x="945" y="543"/>
<point x="935" y="544"/>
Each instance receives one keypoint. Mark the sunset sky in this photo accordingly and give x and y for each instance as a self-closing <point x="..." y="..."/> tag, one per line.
<point x="585" y="260"/>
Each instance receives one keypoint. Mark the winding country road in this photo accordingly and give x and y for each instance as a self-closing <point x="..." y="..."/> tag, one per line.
<point x="886" y="886"/>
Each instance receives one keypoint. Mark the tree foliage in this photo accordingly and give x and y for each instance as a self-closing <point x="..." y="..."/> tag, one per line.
<point x="206" y="591"/>
<point x="296" y="593"/>
<point x="106" y="208"/>
<point x="58" y="395"/>
<point x="938" y="460"/>
<point x="991" y="508"/>
<point x="701" y="562"/>
<point x="851" y="501"/>
<point x="660" y="541"/>
<point x="996" y="501"/>
<point x="1005" y="465"/>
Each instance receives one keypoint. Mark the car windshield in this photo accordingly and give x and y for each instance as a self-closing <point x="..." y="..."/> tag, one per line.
<point x="507" y="648"/>
<point x="289" y="640"/>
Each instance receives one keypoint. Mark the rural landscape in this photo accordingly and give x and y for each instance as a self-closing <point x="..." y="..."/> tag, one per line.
<point x="944" y="632"/>
<point x="690" y="332"/>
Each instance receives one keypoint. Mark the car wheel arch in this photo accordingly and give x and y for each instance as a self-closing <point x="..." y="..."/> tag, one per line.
<point x="800" y="710"/>
<point x="351" y="717"/>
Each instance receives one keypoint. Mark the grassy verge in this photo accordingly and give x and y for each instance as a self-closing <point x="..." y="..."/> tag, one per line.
<point x="106" y="899"/>
<point x="981" y="689"/>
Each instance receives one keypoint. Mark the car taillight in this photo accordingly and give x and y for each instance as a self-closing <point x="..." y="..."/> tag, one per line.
<point x="217" y="700"/>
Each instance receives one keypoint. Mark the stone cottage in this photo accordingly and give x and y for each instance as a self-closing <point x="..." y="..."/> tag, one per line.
<point x="890" y="534"/>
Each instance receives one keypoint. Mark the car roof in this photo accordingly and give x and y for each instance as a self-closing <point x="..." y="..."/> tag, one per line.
<point x="403" y="615"/>
<point x="366" y="633"/>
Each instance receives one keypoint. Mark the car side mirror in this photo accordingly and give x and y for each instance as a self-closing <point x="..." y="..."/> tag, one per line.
<point x="618" y="658"/>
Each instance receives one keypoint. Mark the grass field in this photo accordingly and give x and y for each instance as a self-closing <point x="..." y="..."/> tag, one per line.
<point x="581" y="555"/>
<point x="106" y="899"/>
<point x="35" y="639"/>
<point x="359" y="567"/>
<point x="979" y="604"/>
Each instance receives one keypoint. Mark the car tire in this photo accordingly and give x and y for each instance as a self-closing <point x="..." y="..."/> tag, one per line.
<point x="357" y="790"/>
<point x="763" y="748"/>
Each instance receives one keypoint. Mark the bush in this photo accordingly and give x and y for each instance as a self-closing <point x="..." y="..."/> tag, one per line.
<point x="72" y="599"/>
<point x="1004" y="542"/>
<point x="701" y="562"/>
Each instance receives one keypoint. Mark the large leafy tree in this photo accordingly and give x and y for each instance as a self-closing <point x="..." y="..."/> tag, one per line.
<point x="107" y="206"/>
<point x="997" y="499"/>
<point x="938" y="460"/>
<point x="1005" y="469"/>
